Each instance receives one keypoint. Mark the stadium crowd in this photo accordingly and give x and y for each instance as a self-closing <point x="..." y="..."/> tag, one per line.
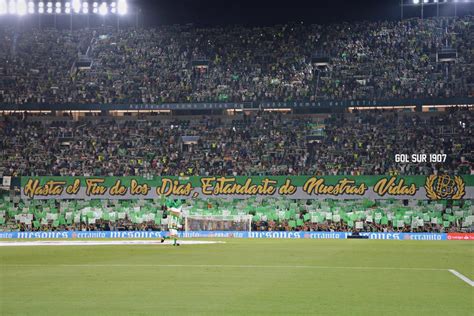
<point x="260" y="144"/>
<point x="368" y="60"/>
<point x="273" y="225"/>
<point x="44" y="216"/>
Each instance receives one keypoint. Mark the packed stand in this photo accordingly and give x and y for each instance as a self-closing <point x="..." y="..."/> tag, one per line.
<point x="266" y="215"/>
<point x="368" y="60"/>
<point x="260" y="144"/>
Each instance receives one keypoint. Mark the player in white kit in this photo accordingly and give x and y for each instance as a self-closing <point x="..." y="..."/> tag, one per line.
<point x="174" y="224"/>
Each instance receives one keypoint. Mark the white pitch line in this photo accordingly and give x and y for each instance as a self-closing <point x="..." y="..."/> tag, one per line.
<point x="462" y="277"/>
<point x="102" y="243"/>
<point x="222" y="266"/>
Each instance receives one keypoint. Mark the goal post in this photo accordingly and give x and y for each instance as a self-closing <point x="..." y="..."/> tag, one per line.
<point x="218" y="223"/>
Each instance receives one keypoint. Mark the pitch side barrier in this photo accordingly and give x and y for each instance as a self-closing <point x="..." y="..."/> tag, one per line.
<point x="230" y="234"/>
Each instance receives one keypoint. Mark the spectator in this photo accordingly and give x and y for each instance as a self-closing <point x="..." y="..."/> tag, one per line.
<point x="369" y="60"/>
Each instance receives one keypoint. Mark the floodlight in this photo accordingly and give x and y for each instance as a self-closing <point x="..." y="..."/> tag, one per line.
<point x="122" y="7"/>
<point x="58" y="11"/>
<point x="113" y="4"/>
<point x="49" y="10"/>
<point x="31" y="7"/>
<point x="67" y="10"/>
<point x="21" y="8"/>
<point x="85" y="10"/>
<point x="85" y="4"/>
<point x="103" y="10"/>
<point x="113" y="10"/>
<point x="3" y="7"/>
<point x="95" y="10"/>
<point x="425" y="1"/>
<point x="49" y="4"/>
<point x="95" y="4"/>
<point x="12" y="7"/>
<point x="416" y="1"/>
<point x="76" y="6"/>
<point x="67" y="4"/>
<point x="41" y="4"/>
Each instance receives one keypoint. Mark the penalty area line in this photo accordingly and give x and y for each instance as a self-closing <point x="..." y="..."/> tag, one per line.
<point x="462" y="277"/>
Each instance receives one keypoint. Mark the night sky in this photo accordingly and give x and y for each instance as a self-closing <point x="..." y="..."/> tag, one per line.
<point x="265" y="12"/>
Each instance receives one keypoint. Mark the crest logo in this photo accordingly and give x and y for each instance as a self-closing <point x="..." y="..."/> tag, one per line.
<point x="444" y="187"/>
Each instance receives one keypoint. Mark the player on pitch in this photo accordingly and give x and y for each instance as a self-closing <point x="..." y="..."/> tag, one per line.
<point x="173" y="225"/>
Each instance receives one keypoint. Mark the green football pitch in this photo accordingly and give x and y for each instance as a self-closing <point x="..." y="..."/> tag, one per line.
<point x="240" y="277"/>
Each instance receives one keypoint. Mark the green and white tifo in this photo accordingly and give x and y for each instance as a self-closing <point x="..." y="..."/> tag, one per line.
<point x="240" y="277"/>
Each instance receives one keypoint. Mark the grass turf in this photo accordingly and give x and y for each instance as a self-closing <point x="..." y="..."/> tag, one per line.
<point x="127" y="280"/>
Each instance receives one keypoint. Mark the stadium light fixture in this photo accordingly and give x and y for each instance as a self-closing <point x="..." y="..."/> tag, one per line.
<point x="31" y="7"/>
<point x="425" y="1"/>
<point x="122" y="7"/>
<point x="12" y="7"/>
<point x="103" y="10"/>
<point x="3" y="7"/>
<point x="416" y="1"/>
<point x="76" y="6"/>
<point x="67" y="10"/>
<point x="21" y="8"/>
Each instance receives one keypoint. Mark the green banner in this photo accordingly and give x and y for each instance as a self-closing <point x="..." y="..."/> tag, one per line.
<point x="433" y="187"/>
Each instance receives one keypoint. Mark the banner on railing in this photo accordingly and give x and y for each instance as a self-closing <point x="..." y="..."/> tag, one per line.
<point x="233" y="105"/>
<point x="223" y="234"/>
<point x="432" y="187"/>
